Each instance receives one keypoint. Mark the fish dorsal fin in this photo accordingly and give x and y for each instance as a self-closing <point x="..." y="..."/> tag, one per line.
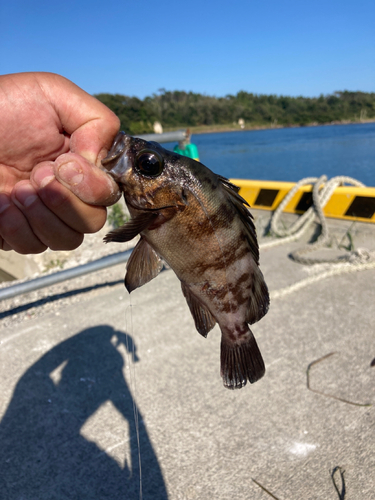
<point x="259" y="299"/>
<point x="204" y="320"/>
<point x="144" y="264"/>
<point x="132" y="228"/>
<point x="245" y="216"/>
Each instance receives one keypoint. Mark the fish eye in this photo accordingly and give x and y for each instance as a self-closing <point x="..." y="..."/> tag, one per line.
<point x="149" y="163"/>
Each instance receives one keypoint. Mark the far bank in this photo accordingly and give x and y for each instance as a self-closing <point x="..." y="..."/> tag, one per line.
<point x="211" y="129"/>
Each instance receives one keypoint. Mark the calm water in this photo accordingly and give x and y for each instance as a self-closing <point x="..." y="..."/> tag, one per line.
<point x="292" y="153"/>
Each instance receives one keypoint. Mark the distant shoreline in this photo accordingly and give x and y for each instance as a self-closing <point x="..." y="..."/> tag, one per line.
<point x="211" y="129"/>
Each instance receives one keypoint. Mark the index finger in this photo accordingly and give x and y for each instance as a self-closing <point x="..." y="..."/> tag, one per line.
<point x="91" y="125"/>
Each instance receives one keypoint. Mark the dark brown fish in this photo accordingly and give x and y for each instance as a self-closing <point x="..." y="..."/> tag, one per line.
<point x="195" y="221"/>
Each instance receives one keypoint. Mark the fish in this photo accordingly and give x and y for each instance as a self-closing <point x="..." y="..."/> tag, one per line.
<point x="196" y="222"/>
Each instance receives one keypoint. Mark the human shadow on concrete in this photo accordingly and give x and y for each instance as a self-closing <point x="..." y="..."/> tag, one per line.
<point x="43" y="454"/>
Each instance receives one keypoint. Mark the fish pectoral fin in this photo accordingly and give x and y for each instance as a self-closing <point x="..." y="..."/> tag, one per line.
<point x="244" y="214"/>
<point x="132" y="228"/>
<point x="144" y="264"/>
<point x="204" y="320"/>
<point x="241" y="361"/>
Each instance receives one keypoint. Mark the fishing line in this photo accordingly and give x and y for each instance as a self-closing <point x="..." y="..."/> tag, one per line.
<point x="131" y="357"/>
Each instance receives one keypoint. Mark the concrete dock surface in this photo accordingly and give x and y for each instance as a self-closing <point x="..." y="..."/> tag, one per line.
<point x="111" y="396"/>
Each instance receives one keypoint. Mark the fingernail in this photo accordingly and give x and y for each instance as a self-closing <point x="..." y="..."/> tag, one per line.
<point x="43" y="176"/>
<point x="4" y="202"/>
<point x="25" y="194"/>
<point x="70" y="173"/>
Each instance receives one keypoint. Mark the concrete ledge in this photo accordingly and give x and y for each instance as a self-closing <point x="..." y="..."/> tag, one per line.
<point x="347" y="202"/>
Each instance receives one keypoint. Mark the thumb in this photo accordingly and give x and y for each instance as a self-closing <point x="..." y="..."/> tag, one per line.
<point x="88" y="182"/>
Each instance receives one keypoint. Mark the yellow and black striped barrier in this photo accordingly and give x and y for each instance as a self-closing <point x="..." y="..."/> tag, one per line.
<point x="346" y="202"/>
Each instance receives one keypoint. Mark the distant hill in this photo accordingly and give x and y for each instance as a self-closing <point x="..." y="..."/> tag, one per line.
<point x="186" y="109"/>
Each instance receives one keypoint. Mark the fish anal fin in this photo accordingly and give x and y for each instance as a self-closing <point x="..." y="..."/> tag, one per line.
<point x="131" y="228"/>
<point x="143" y="265"/>
<point x="204" y="320"/>
<point x="259" y="299"/>
<point x="241" y="362"/>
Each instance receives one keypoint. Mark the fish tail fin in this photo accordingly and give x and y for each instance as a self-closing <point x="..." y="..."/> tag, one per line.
<point x="241" y="361"/>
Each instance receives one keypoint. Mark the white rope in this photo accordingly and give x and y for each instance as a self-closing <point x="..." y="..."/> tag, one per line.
<point x="334" y="271"/>
<point x="354" y="261"/>
<point x="322" y="192"/>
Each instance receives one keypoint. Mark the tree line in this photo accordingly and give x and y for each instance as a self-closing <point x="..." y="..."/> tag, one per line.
<point x="175" y="109"/>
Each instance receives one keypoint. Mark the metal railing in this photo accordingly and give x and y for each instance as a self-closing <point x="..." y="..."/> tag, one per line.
<point x="67" y="274"/>
<point x="178" y="135"/>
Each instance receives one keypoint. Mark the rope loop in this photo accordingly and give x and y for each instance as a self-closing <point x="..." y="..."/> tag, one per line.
<point x="321" y="194"/>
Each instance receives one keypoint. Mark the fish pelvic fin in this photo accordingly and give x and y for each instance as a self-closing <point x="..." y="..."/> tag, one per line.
<point x="204" y="320"/>
<point x="246" y="218"/>
<point x="241" y="361"/>
<point x="144" y="264"/>
<point x="132" y="228"/>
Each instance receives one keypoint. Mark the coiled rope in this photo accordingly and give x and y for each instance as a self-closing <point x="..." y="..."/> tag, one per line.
<point x="355" y="260"/>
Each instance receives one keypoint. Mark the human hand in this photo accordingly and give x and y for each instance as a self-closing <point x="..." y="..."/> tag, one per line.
<point x="53" y="136"/>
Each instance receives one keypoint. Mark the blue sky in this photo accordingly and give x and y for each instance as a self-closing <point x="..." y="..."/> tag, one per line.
<point x="216" y="47"/>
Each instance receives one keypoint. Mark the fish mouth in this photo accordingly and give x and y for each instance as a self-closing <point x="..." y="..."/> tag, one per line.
<point x="116" y="163"/>
<point x="164" y="207"/>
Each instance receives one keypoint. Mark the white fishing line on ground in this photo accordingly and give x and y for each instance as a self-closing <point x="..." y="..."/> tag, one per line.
<point x="130" y="359"/>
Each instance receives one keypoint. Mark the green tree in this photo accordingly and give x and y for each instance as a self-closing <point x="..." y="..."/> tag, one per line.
<point x="185" y="109"/>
